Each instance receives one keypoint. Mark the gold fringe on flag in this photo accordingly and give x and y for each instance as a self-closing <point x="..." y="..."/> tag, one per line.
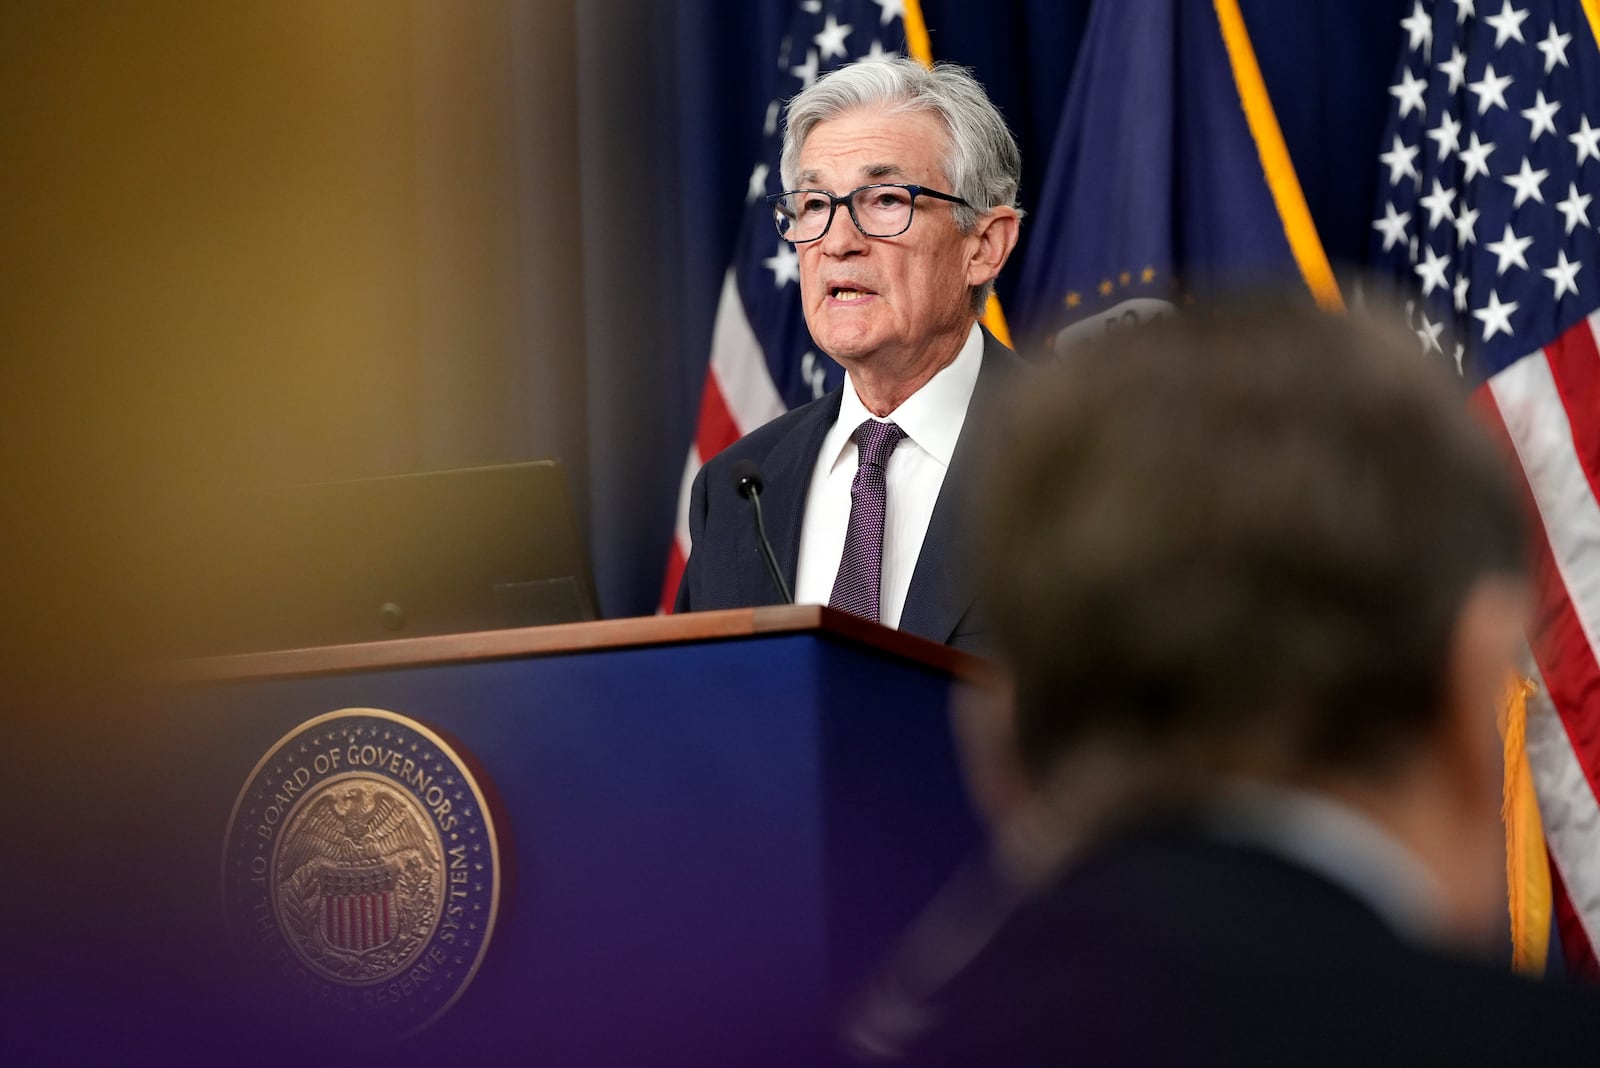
<point x="1527" y="865"/>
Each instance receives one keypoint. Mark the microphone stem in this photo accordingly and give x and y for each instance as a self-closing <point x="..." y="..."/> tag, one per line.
<point x="766" y="551"/>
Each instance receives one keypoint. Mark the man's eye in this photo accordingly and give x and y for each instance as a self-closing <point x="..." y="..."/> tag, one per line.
<point x="888" y="199"/>
<point x="813" y="205"/>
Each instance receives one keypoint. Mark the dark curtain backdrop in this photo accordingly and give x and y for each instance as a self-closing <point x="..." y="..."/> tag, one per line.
<point x="660" y="122"/>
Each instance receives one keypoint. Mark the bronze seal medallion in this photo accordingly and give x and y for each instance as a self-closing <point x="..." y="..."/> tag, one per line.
<point x="361" y="869"/>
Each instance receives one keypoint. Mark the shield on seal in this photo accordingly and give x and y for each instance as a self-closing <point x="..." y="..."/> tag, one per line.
<point x="347" y="874"/>
<point x="358" y="907"/>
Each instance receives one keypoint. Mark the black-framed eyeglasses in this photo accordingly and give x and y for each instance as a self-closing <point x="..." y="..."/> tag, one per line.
<point x="882" y="210"/>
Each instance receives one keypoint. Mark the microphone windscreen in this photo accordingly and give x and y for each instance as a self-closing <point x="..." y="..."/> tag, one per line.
<point x="747" y="478"/>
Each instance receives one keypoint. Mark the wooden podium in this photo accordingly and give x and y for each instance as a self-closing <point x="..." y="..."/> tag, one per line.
<point x="712" y="826"/>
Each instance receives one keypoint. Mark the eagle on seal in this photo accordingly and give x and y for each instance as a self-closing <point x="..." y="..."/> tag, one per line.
<point x="356" y="826"/>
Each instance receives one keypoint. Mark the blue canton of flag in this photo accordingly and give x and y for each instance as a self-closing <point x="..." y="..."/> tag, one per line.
<point x="762" y="359"/>
<point x="1485" y="202"/>
<point x="1168" y="176"/>
<point x="1489" y="167"/>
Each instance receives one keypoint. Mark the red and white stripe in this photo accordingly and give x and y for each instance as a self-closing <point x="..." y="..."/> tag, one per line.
<point x="358" y="921"/>
<point x="739" y="396"/>
<point x="1548" y="405"/>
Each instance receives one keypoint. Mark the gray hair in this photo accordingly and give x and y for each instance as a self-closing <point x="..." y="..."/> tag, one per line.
<point x="981" y="162"/>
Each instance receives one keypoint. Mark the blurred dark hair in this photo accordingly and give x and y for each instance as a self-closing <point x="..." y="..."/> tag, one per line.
<point x="1240" y="534"/>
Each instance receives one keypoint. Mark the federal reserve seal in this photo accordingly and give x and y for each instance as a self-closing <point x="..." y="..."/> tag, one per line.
<point x="361" y="870"/>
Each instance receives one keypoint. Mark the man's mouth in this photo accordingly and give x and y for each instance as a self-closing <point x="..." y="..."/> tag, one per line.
<point x="845" y="293"/>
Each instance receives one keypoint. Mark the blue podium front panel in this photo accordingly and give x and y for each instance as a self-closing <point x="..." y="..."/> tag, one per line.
<point x="704" y="846"/>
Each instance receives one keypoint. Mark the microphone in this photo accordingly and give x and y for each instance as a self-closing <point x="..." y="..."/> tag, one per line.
<point x="747" y="481"/>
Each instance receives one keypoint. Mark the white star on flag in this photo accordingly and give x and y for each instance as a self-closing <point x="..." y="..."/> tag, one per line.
<point x="807" y="71"/>
<point x="830" y="42"/>
<point x="1428" y="333"/>
<point x="1554" y="47"/>
<point x="1509" y="249"/>
<point x="1409" y="92"/>
<point x="1575" y="208"/>
<point x="1476" y="157"/>
<point x="1542" y="116"/>
<point x="892" y="9"/>
<point x="1399" y="160"/>
<point x="1456" y="67"/>
<point x="1448" y="136"/>
<point x="1392" y="226"/>
<point x="1564" y="275"/>
<point x="1432" y="270"/>
<point x="758" y="184"/>
<point x="1419" y="24"/>
<point x="1490" y="90"/>
<point x="1526" y="183"/>
<point x="1507" y="25"/>
<point x="784" y="265"/>
<point x="1466" y="221"/>
<point x="1438" y="204"/>
<point x="1587" y="140"/>
<point x="1495" y="316"/>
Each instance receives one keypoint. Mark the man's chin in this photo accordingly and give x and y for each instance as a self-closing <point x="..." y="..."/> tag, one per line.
<point x="848" y="346"/>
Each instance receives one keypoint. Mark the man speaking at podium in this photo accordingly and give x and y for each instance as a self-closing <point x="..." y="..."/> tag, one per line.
<point x="902" y="184"/>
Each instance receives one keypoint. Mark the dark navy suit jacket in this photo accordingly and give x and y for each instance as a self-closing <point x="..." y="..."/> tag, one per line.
<point x="725" y="568"/>
<point x="1167" y="946"/>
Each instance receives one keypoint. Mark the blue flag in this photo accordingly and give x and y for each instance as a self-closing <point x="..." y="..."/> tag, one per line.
<point x="1168" y="177"/>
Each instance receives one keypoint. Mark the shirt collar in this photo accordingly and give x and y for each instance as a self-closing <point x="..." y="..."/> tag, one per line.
<point x="931" y="417"/>
<point x="1337" y="842"/>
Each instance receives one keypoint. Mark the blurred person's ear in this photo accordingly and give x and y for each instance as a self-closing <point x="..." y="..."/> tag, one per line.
<point x="1487" y="638"/>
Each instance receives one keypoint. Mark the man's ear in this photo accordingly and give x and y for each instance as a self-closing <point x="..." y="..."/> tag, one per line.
<point x="1467" y="759"/>
<point x="996" y="234"/>
<point x="1483" y="653"/>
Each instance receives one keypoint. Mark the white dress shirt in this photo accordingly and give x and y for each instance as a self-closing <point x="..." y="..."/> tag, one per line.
<point x="931" y="418"/>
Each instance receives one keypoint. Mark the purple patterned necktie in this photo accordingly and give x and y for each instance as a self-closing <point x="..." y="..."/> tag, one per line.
<point x="855" y="589"/>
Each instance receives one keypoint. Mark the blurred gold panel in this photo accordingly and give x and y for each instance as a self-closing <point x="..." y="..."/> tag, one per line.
<point x="249" y="243"/>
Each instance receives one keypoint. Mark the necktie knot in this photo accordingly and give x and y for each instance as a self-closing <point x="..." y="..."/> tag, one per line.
<point x="875" y="441"/>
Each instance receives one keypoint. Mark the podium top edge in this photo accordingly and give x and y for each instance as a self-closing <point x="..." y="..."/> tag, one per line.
<point x="569" y="638"/>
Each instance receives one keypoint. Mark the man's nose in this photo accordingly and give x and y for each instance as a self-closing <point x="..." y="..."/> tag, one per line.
<point x="843" y="237"/>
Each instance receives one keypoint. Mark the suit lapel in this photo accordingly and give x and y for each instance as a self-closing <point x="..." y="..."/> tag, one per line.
<point x="787" y="471"/>
<point x="944" y="583"/>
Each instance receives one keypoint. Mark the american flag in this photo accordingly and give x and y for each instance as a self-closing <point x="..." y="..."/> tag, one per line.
<point x="762" y="359"/>
<point x="1489" y="167"/>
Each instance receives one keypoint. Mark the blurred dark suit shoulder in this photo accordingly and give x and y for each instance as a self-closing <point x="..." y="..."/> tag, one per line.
<point x="1172" y="948"/>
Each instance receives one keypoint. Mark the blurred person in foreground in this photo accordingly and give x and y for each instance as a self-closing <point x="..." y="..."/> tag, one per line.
<point x="1259" y="580"/>
<point x="900" y="207"/>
